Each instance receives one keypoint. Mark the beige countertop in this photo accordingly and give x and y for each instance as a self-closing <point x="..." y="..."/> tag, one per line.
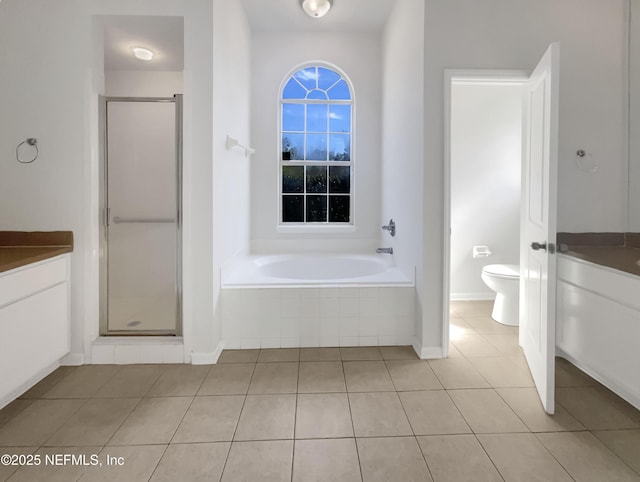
<point x="20" y="248"/>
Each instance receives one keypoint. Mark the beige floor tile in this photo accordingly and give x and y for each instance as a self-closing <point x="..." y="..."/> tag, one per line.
<point x="210" y="419"/>
<point x="202" y="462"/>
<point x="320" y="354"/>
<point x="229" y="379"/>
<point x="525" y="402"/>
<point x="378" y="415"/>
<point x="279" y="355"/>
<point x="267" y="417"/>
<point x="367" y="376"/>
<point x="6" y="470"/>
<point x="472" y="308"/>
<point x="392" y="458"/>
<point x="597" y="408"/>
<point x="179" y="381"/>
<point x="83" y="382"/>
<point x="506" y="343"/>
<point x="487" y="325"/>
<point x="95" y="422"/>
<point x="13" y="409"/>
<point x="48" y="382"/>
<point x="586" y="458"/>
<point x="568" y="375"/>
<point x="274" y="378"/>
<point x="239" y="356"/>
<point x="325" y="415"/>
<point x="504" y="372"/>
<point x="321" y="377"/>
<point x="131" y="381"/>
<point x="521" y="457"/>
<point x="453" y="351"/>
<point x="474" y="346"/>
<point x="412" y="375"/>
<point x="457" y="327"/>
<point x="263" y="461"/>
<point x="139" y="462"/>
<point x="154" y="421"/>
<point x="486" y="412"/>
<point x="61" y="472"/>
<point x="454" y="458"/>
<point x="456" y="373"/>
<point x="36" y="423"/>
<point x="322" y="460"/>
<point x="361" y="353"/>
<point x="398" y="353"/>
<point x="432" y="412"/>
<point x="625" y="444"/>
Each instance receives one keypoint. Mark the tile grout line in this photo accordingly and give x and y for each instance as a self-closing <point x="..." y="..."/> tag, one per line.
<point x="295" y="418"/>
<point x="353" y="428"/>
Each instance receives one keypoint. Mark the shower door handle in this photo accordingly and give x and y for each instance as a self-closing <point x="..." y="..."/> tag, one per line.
<point x="107" y="216"/>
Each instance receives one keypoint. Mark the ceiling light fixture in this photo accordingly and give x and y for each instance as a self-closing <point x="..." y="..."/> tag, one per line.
<point x="142" y="53"/>
<point x="316" y="8"/>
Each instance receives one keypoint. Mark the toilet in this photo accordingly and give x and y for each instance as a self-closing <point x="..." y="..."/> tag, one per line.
<point x="504" y="279"/>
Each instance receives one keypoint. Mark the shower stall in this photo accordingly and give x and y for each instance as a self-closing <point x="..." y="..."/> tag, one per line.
<point x="140" y="272"/>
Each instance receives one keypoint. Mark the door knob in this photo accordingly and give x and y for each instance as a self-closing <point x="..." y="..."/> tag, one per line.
<point x="539" y="246"/>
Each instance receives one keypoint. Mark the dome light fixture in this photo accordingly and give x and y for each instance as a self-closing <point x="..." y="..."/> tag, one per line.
<point x="142" y="53"/>
<point x="316" y="8"/>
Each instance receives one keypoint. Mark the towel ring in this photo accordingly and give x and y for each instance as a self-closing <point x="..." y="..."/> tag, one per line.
<point x="32" y="141"/>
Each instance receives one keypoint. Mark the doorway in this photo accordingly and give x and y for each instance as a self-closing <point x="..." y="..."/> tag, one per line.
<point x="141" y="186"/>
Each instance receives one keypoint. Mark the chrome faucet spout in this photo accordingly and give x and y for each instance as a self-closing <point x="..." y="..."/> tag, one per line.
<point x="384" y="250"/>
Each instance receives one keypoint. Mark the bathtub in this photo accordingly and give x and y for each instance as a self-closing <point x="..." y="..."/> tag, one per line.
<point x="302" y="300"/>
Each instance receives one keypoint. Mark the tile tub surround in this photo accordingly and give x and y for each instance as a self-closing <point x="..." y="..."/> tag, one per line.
<point x="19" y="248"/>
<point x="317" y="317"/>
<point x="320" y="427"/>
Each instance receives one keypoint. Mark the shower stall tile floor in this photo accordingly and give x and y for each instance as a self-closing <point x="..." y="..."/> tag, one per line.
<point x="324" y="414"/>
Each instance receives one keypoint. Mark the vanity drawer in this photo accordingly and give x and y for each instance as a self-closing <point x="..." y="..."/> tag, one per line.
<point x="28" y="280"/>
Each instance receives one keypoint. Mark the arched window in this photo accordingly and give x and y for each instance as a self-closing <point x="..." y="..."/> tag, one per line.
<point x="316" y="163"/>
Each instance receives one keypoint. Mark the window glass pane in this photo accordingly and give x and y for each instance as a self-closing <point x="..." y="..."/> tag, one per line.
<point x="339" y="209"/>
<point x="326" y="78"/>
<point x="293" y="90"/>
<point x="339" y="147"/>
<point x="293" y="117"/>
<point x="292" y="147"/>
<point x="317" y="95"/>
<point x="339" y="179"/>
<point x="292" y="179"/>
<point x="307" y="77"/>
<point x="317" y="118"/>
<point x="340" y="91"/>
<point x="316" y="179"/>
<point x="293" y="209"/>
<point x="316" y="209"/>
<point x="340" y="118"/>
<point x="316" y="147"/>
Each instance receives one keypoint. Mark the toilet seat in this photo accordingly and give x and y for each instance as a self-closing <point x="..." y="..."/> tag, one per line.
<point x="507" y="271"/>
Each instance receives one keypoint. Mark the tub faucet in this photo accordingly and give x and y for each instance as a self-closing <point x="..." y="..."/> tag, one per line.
<point x="384" y="250"/>
<point x="391" y="227"/>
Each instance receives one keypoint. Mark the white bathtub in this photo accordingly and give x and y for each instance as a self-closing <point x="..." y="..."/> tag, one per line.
<point x="321" y="270"/>
<point x="282" y="301"/>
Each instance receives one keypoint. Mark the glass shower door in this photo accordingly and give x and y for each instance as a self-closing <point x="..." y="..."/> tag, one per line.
<point x="142" y="217"/>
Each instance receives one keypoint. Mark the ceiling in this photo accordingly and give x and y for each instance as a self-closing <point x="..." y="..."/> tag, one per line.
<point x="345" y="16"/>
<point x="163" y="35"/>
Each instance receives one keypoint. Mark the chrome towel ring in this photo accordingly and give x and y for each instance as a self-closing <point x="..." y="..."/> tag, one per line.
<point x="31" y="141"/>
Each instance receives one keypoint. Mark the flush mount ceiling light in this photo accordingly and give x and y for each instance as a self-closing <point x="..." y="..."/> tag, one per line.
<point x="316" y="8"/>
<point x="142" y="53"/>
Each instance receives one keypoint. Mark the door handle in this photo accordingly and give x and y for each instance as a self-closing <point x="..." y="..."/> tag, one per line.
<point x="543" y="246"/>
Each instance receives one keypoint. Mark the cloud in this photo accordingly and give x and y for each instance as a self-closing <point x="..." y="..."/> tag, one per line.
<point x="307" y="74"/>
<point x="333" y="115"/>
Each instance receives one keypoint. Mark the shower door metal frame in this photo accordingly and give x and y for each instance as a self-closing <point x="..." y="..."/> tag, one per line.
<point x="105" y="215"/>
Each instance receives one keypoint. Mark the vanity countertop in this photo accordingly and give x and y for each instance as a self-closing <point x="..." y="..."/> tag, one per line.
<point x="20" y="248"/>
<point x="623" y="258"/>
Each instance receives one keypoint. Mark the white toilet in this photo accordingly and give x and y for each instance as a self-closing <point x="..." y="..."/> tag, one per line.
<point x="504" y="279"/>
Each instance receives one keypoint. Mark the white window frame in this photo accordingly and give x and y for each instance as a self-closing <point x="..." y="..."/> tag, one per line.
<point x="317" y="227"/>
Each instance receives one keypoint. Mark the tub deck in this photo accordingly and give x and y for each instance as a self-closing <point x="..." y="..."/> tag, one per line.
<point x="623" y="258"/>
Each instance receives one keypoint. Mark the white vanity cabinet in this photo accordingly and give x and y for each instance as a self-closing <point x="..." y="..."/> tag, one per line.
<point x="34" y="323"/>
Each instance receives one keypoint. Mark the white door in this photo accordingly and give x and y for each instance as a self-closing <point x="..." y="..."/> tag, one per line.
<point x="538" y="230"/>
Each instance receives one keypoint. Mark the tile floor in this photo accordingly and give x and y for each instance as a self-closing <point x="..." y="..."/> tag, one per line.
<point x="327" y="414"/>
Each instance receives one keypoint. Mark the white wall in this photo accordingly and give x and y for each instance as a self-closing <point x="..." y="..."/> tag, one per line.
<point x="502" y="34"/>
<point x="140" y="83"/>
<point x="634" y="117"/>
<point x="273" y="57"/>
<point x="402" y="141"/>
<point x="486" y="151"/>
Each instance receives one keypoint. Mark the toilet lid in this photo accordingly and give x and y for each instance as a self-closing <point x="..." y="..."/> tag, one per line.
<point x="503" y="270"/>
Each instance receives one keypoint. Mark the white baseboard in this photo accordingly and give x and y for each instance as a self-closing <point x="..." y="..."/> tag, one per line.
<point x="207" y="358"/>
<point x="427" y="352"/>
<point x="72" y="360"/>
<point x="480" y="296"/>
